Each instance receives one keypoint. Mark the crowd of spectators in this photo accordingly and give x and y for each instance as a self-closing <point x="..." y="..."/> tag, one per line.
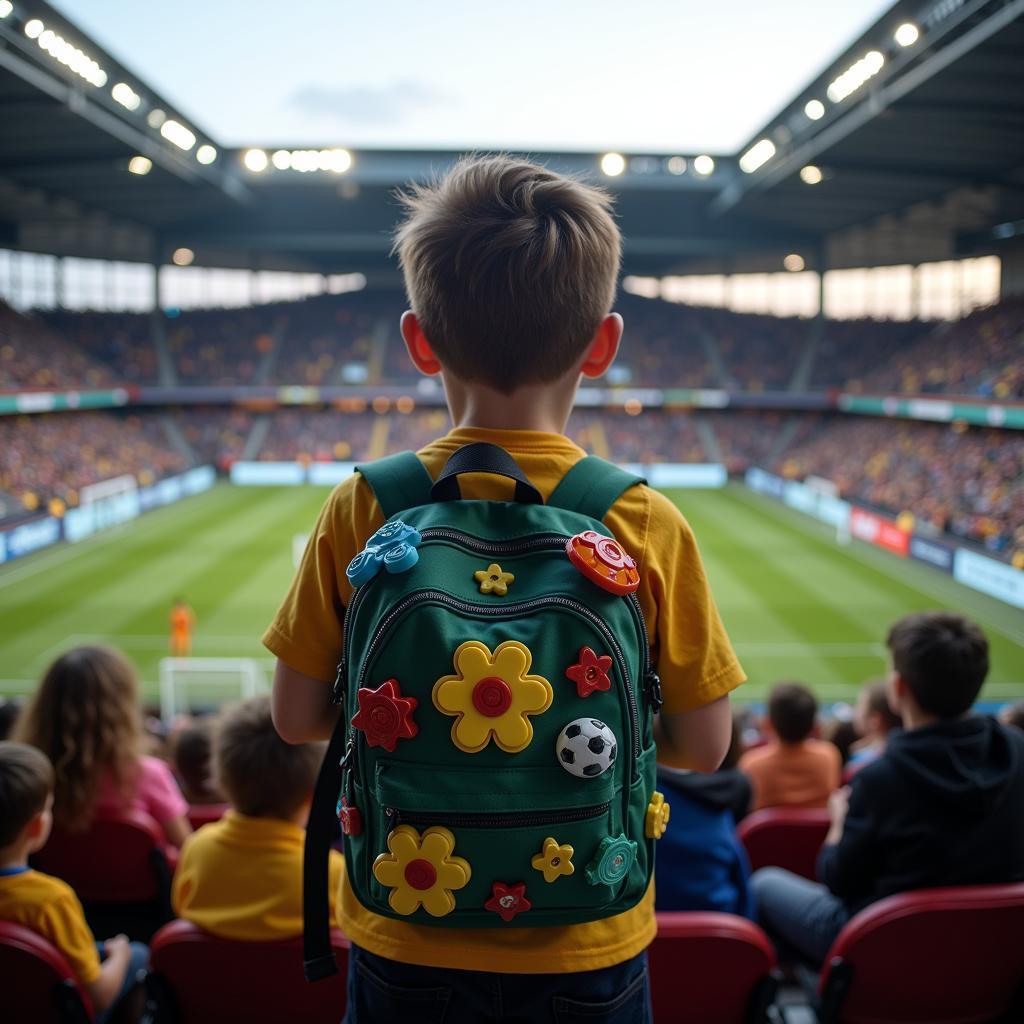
<point x="216" y="435"/>
<point x="966" y="480"/>
<point x="51" y="457"/>
<point x="120" y="342"/>
<point x="317" y="436"/>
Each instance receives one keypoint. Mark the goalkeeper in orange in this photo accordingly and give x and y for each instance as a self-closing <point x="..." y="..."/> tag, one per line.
<point x="182" y="620"/>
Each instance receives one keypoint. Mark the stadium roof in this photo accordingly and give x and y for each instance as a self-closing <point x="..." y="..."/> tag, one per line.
<point x="919" y="147"/>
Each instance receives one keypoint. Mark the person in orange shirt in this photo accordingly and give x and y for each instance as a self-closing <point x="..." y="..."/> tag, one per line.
<point x="511" y="272"/>
<point x="793" y="770"/>
<point x="182" y="620"/>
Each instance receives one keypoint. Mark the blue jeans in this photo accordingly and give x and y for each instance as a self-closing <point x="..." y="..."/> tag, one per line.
<point x="801" y="917"/>
<point x="139" y="961"/>
<point x="382" y="991"/>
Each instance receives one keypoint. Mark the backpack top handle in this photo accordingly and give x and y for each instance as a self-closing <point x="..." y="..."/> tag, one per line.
<point x="481" y="457"/>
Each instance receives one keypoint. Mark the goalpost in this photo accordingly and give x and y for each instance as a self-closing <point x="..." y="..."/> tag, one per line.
<point x="212" y="680"/>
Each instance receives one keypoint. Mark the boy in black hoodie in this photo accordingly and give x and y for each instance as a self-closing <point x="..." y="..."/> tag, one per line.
<point x="941" y="806"/>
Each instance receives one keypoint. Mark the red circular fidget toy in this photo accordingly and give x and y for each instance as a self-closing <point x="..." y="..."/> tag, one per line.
<point x="604" y="562"/>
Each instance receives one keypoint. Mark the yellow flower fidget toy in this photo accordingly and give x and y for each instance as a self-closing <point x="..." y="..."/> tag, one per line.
<point x="420" y="870"/>
<point x="492" y="696"/>
<point x="554" y="860"/>
<point x="493" y="581"/>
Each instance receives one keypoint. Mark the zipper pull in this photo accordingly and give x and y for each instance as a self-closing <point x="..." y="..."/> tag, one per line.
<point x="338" y="689"/>
<point x="652" y="684"/>
<point x="346" y="759"/>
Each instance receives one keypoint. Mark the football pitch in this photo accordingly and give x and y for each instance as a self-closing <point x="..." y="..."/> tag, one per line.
<point x="796" y="605"/>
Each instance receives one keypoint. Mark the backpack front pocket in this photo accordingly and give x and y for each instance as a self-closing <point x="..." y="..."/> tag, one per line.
<point x="518" y="846"/>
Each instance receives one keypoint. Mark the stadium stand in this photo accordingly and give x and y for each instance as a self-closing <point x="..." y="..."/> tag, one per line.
<point x="784" y="837"/>
<point x="216" y="435"/>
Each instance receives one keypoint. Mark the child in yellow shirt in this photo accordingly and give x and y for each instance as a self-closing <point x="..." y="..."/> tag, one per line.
<point x="44" y="904"/>
<point x="511" y="273"/>
<point x="241" y="877"/>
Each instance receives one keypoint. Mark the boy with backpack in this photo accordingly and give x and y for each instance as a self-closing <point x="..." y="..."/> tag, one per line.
<point x="498" y="660"/>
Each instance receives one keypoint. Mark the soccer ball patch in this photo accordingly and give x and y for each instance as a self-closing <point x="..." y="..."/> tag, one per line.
<point x="586" y="748"/>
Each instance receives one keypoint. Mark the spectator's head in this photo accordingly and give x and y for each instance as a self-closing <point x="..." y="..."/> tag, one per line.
<point x="261" y="775"/>
<point x="939" y="663"/>
<point x="510" y="270"/>
<point x="792" y="710"/>
<point x="873" y="717"/>
<point x="1013" y="714"/>
<point x="842" y="734"/>
<point x="85" y="718"/>
<point x="26" y="797"/>
<point x="192" y="754"/>
<point x="9" y="711"/>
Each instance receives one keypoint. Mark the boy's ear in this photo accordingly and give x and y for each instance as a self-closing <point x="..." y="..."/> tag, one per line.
<point x="604" y="346"/>
<point x="420" y="352"/>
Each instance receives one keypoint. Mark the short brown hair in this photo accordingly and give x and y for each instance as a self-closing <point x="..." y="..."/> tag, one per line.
<point x="260" y="774"/>
<point x="509" y="268"/>
<point x="26" y="780"/>
<point x="943" y="658"/>
<point x="792" y="710"/>
<point x="876" y="695"/>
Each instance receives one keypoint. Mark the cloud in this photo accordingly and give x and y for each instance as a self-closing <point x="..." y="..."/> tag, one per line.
<point x="366" y="104"/>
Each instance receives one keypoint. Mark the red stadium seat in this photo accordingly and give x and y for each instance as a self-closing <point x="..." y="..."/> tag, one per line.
<point x="36" y="983"/>
<point x="784" y="837"/>
<point x="709" y="968"/>
<point x="941" y="956"/>
<point x="196" y="978"/>
<point x="120" y="868"/>
<point x="204" y="814"/>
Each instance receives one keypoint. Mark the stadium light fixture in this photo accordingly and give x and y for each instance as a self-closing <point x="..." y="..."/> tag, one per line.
<point x="174" y="131"/>
<point x="757" y="156"/>
<point x="182" y="257"/>
<point x="907" y="34"/>
<point x="206" y="154"/>
<point x="703" y="165"/>
<point x="34" y="28"/>
<point x="337" y="161"/>
<point x="5" y="8"/>
<point x="65" y="53"/>
<point x="814" y="109"/>
<point x="282" y="159"/>
<point x="255" y="160"/>
<point x="126" y="96"/>
<point x="856" y="75"/>
<point x="140" y="165"/>
<point x="811" y="175"/>
<point x="794" y="263"/>
<point x="613" y="164"/>
<point x="156" y="117"/>
<point x="676" y="165"/>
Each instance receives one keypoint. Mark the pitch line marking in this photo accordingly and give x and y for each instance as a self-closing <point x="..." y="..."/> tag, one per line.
<point x="796" y="650"/>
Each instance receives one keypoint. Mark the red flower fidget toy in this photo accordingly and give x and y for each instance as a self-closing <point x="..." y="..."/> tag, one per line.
<point x="385" y="716"/>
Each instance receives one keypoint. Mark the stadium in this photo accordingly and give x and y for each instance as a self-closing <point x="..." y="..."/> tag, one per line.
<point x="822" y="368"/>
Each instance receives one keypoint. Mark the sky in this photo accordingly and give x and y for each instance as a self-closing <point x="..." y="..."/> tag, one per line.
<point x="640" y="76"/>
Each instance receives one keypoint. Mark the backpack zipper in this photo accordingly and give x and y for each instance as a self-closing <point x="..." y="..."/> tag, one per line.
<point x="508" y="610"/>
<point x="486" y="820"/>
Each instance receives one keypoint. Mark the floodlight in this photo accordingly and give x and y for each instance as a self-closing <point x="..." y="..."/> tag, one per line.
<point x="282" y="159"/>
<point x="613" y="164"/>
<point x="175" y="132"/>
<point x="206" y="154"/>
<point x="907" y="34"/>
<point x="155" y="118"/>
<point x="856" y="75"/>
<point x="255" y="160"/>
<point x="676" y="165"/>
<point x="5" y="8"/>
<point x="811" y="175"/>
<point x="126" y="96"/>
<point x="814" y="109"/>
<point x="182" y="257"/>
<point x="703" y="165"/>
<point x="34" y="28"/>
<point x="336" y="160"/>
<point x="794" y="263"/>
<point x="140" y="165"/>
<point x="757" y="156"/>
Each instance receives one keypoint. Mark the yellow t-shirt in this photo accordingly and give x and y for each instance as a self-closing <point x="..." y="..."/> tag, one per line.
<point x="690" y="649"/>
<point x="241" y="878"/>
<point x="50" y="908"/>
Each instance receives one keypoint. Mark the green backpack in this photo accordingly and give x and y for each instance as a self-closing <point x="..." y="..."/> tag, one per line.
<point x="494" y="755"/>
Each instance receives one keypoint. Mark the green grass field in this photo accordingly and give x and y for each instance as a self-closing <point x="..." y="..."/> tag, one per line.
<point x="795" y="604"/>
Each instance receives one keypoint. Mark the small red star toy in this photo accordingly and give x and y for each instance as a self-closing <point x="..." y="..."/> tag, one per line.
<point x="385" y="716"/>
<point x="351" y="819"/>
<point x="590" y="673"/>
<point x="508" y="900"/>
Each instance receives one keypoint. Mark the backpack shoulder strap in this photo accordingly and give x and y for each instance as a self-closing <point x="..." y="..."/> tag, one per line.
<point x="398" y="481"/>
<point x="592" y="486"/>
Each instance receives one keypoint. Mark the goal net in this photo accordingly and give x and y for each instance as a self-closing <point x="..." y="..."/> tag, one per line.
<point x="207" y="682"/>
